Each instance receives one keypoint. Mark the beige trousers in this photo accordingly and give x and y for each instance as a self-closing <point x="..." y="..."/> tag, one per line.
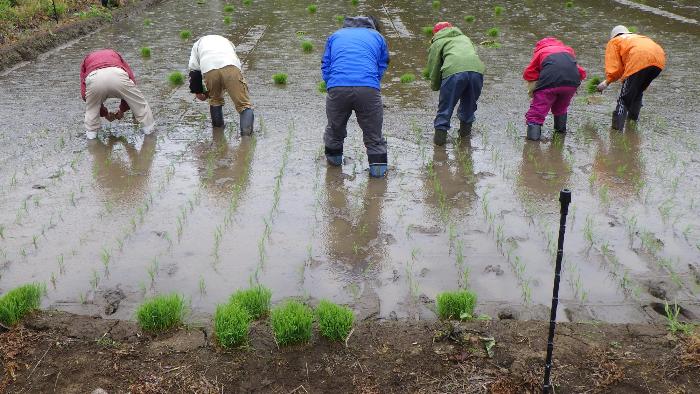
<point x="228" y="79"/>
<point x="113" y="82"/>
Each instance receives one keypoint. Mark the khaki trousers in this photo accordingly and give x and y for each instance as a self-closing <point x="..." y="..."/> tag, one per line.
<point x="113" y="82"/>
<point x="229" y="79"/>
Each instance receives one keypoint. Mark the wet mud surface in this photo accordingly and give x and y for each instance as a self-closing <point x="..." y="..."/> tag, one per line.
<point x="107" y="223"/>
<point x="408" y="356"/>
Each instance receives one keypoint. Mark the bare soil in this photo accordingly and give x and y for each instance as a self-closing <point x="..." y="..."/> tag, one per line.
<point x="61" y="352"/>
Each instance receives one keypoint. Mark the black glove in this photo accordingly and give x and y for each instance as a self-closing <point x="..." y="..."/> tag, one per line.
<point x="196" y="85"/>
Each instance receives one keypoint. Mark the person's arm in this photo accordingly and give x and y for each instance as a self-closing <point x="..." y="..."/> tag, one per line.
<point x="194" y="58"/>
<point x="532" y="71"/>
<point x="326" y="61"/>
<point x="383" y="58"/>
<point x="127" y="68"/>
<point x="83" y="71"/>
<point x="614" y="69"/>
<point x="435" y="66"/>
<point x="124" y="106"/>
<point x="581" y="72"/>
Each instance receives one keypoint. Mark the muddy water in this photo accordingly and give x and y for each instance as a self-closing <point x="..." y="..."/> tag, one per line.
<point x="107" y="223"/>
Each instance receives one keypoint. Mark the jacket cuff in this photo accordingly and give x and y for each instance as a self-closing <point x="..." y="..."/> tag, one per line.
<point x="124" y="106"/>
<point x="196" y="85"/>
<point x="103" y="111"/>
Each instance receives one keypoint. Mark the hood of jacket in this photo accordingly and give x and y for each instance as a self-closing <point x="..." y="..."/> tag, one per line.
<point x="358" y="21"/>
<point x="547" y="42"/>
<point x="447" y="32"/>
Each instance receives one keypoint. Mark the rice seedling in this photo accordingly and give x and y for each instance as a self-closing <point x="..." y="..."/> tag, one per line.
<point x="456" y="305"/>
<point x="469" y="18"/>
<point x="255" y="300"/>
<point x="569" y="4"/>
<point x="161" y="312"/>
<point x="493" y="32"/>
<point x="247" y="2"/>
<point x="436" y="4"/>
<point x="176" y="78"/>
<point x="35" y="241"/>
<point x="185" y="34"/>
<point x="355" y="2"/>
<point x="147" y="22"/>
<point x="53" y="280"/>
<point x="307" y="46"/>
<point x="227" y="20"/>
<point x="231" y="324"/>
<point x="291" y="323"/>
<point x="334" y="321"/>
<point x="632" y="29"/>
<point x="228" y="8"/>
<point x="426" y="73"/>
<point x="674" y="325"/>
<point x="312" y="8"/>
<point x="592" y="84"/>
<point x="2" y="231"/>
<point x="322" y="88"/>
<point x="106" y="257"/>
<point x="408" y="78"/>
<point x="280" y="78"/>
<point x="498" y="10"/>
<point x="145" y="52"/>
<point x="339" y="18"/>
<point x="18" y="302"/>
<point x="61" y="265"/>
<point x="427" y="31"/>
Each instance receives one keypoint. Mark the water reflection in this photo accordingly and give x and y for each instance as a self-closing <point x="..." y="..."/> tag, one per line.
<point x="618" y="165"/>
<point x="122" y="172"/>
<point x="544" y="171"/>
<point x="451" y="181"/>
<point x="220" y="166"/>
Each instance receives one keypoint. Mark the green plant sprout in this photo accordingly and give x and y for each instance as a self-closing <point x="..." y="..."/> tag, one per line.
<point x="592" y="84"/>
<point x="322" y="88"/>
<point x="408" y="78"/>
<point x="675" y="326"/>
<point x="185" y="34"/>
<point x="632" y="29"/>
<point x="469" y="18"/>
<point x="161" y="312"/>
<point x="312" y="8"/>
<point x="247" y="2"/>
<point x="176" y="78"/>
<point x="456" y="305"/>
<point x="228" y="8"/>
<point x="147" y="22"/>
<point x="436" y="4"/>
<point x="145" y="52"/>
<point x="569" y="4"/>
<point x="291" y="323"/>
<point x="20" y="301"/>
<point x="493" y="32"/>
<point x="427" y="31"/>
<point x="231" y="324"/>
<point x="355" y="2"/>
<point x="334" y="321"/>
<point x="255" y="300"/>
<point x="339" y="18"/>
<point x="307" y="46"/>
<point x="498" y="10"/>
<point x="280" y="78"/>
<point x="227" y="20"/>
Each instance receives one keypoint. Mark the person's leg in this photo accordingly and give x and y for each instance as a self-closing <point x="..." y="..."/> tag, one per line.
<point x="369" y="110"/>
<point x="95" y="95"/>
<point x="450" y="93"/>
<point x="560" y="107"/>
<point x="539" y="107"/>
<point x="467" y="103"/>
<point x="643" y="79"/>
<point x="237" y="88"/>
<point x="127" y="90"/>
<point x="215" y="87"/>
<point x="339" y="102"/>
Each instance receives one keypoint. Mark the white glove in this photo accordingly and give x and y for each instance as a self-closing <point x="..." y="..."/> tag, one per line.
<point x="602" y="86"/>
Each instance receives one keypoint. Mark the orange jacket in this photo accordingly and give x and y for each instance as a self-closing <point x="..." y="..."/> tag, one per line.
<point x="628" y="53"/>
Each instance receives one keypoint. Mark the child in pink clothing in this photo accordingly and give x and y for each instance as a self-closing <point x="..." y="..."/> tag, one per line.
<point x="553" y="77"/>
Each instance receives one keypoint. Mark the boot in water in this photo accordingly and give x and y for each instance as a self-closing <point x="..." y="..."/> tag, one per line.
<point x="440" y="137"/>
<point x="377" y="170"/>
<point x="534" y="131"/>
<point x="335" y="160"/>
<point x="560" y="123"/>
<point x="247" y="121"/>
<point x="465" y="129"/>
<point x="618" y="120"/>
<point x="217" y="115"/>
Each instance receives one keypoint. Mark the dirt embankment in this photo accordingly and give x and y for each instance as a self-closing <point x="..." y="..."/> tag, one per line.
<point x="30" y="47"/>
<point x="60" y="352"/>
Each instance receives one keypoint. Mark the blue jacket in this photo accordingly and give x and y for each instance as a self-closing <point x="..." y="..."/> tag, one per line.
<point x="356" y="55"/>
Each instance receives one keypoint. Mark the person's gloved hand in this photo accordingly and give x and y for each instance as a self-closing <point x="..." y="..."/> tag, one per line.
<point x="119" y="114"/>
<point x="531" y="88"/>
<point x="109" y="117"/>
<point x="602" y="86"/>
<point x="202" y="96"/>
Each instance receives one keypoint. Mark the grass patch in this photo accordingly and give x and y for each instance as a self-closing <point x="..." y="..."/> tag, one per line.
<point x="498" y="10"/>
<point x="355" y="2"/>
<point x="291" y="323"/>
<point x="436" y="4"/>
<point x="312" y="8"/>
<point x="16" y="303"/>
<point x="145" y="52"/>
<point x="247" y="2"/>
<point x="592" y="85"/>
<point x="334" y="321"/>
<point x="280" y="78"/>
<point x="469" y="18"/>
<point x="227" y="20"/>
<point x="632" y="29"/>
<point x="340" y="18"/>
<point x="147" y="22"/>
<point x="408" y="78"/>
<point x="322" y="88"/>
<point x="569" y="4"/>
<point x="231" y="324"/>
<point x="228" y="8"/>
<point x="426" y="73"/>
<point x="493" y="32"/>
<point x="255" y="300"/>
<point x="176" y="78"/>
<point x="456" y="304"/>
<point x="185" y="34"/>
<point x="427" y="31"/>
<point x="161" y="312"/>
<point x="307" y="46"/>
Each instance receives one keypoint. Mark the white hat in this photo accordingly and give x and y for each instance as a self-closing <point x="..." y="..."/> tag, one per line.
<point x="617" y="30"/>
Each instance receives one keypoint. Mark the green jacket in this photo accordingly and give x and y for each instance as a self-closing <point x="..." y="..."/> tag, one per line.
<point x="451" y="52"/>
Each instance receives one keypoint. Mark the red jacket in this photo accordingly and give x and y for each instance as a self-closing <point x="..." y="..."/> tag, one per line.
<point x="103" y="58"/>
<point x="554" y="64"/>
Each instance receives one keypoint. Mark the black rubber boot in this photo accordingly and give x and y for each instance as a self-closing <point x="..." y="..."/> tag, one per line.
<point x="560" y="124"/>
<point x="534" y="131"/>
<point x="440" y="137"/>
<point x="247" y="121"/>
<point x="465" y="129"/>
<point x="217" y="115"/>
<point x="618" y="121"/>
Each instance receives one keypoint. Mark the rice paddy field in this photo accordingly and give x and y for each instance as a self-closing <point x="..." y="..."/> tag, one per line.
<point x="106" y="224"/>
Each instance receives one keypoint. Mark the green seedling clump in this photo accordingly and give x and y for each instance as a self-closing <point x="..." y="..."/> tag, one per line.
<point x="493" y="32"/>
<point x="469" y="18"/>
<point x="147" y="22"/>
<point x="307" y="46"/>
<point x="161" y="312"/>
<point x="185" y="34"/>
<point x="427" y="31"/>
<point x="16" y="303"/>
<point x="145" y="52"/>
<point x="592" y="85"/>
<point x="491" y="44"/>
<point x="498" y="10"/>
<point x="322" y="88"/>
<point x="334" y="321"/>
<point x="569" y="4"/>
<point x="291" y="323"/>
<point x="280" y="78"/>
<point x="456" y="304"/>
<point x="632" y="29"/>
<point x="340" y="18"/>
<point x="436" y="4"/>
<point x="408" y="78"/>
<point x="312" y="8"/>
<point x="176" y="78"/>
<point x="228" y="8"/>
<point x="247" y="2"/>
<point x="231" y="324"/>
<point x="355" y="2"/>
<point x="426" y="73"/>
<point x="255" y="300"/>
<point x="227" y="20"/>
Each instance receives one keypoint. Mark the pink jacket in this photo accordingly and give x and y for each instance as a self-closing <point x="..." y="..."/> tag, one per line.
<point x="103" y="58"/>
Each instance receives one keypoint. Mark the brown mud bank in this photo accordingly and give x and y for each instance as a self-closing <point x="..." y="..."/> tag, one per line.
<point x="36" y="43"/>
<point x="65" y="353"/>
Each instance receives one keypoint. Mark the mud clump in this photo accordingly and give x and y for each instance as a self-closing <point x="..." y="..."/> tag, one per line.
<point x="111" y="299"/>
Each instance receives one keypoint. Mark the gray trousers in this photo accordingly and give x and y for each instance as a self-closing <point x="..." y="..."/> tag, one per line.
<point x="369" y="110"/>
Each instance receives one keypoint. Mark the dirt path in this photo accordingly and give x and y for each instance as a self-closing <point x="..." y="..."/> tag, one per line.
<point x="60" y="352"/>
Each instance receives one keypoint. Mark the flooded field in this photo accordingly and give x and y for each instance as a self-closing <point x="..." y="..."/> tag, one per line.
<point x="107" y="223"/>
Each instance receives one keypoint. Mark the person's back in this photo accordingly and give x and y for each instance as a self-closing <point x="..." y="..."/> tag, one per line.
<point x="636" y="53"/>
<point x="452" y="52"/>
<point x="356" y="55"/>
<point x="213" y="52"/>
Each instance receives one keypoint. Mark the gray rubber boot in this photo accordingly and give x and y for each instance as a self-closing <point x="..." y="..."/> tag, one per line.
<point x="560" y="123"/>
<point x="618" y="121"/>
<point x="534" y="131"/>
<point x="440" y="137"/>
<point x="217" y="115"/>
<point x="247" y="121"/>
<point x="465" y="129"/>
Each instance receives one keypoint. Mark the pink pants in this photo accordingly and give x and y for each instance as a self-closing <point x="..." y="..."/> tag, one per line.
<point x="557" y="99"/>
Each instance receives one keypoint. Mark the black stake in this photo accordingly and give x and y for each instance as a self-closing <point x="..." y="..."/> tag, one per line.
<point x="55" y="14"/>
<point x="565" y="200"/>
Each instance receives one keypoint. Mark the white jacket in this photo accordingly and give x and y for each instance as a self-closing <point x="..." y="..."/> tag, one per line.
<point x="213" y="52"/>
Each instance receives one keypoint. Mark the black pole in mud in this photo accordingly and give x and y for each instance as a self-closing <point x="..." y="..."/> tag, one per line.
<point x="565" y="200"/>
<point x="55" y="14"/>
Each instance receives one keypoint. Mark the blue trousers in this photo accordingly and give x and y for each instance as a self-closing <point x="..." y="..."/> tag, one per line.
<point x="464" y="87"/>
